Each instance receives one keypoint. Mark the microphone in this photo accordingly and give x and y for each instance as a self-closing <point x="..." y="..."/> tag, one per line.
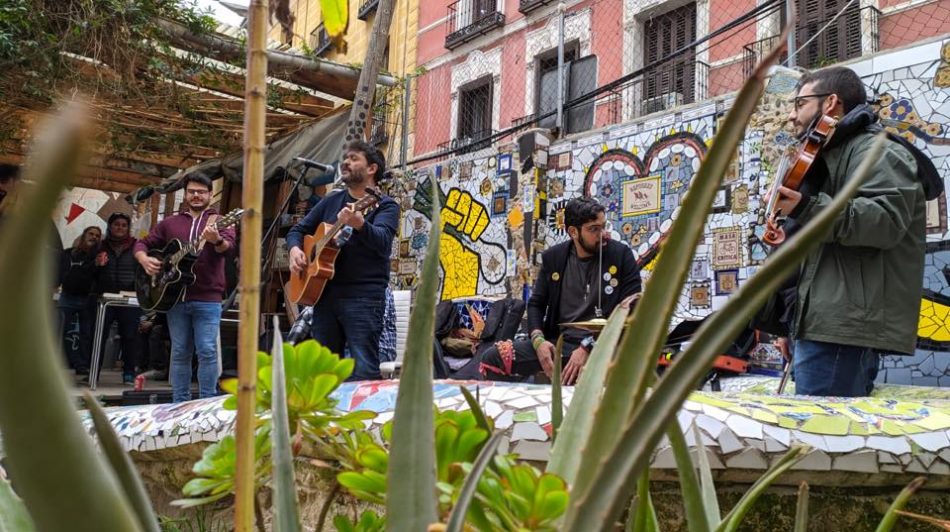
<point x="314" y="164"/>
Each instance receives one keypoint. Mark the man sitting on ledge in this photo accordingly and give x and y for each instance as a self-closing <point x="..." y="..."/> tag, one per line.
<point x="575" y="284"/>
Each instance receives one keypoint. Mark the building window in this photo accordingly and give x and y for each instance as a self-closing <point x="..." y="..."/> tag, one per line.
<point x="673" y="82"/>
<point x="580" y="79"/>
<point x="475" y="110"/>
<point x="839" y="41"/>
<point x="319" y="40"/>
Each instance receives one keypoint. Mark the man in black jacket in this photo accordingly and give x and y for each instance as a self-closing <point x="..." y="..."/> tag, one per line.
<point x="581" y="279"/>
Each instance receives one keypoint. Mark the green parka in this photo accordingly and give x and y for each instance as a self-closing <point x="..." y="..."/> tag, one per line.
<point x="863" y="286"/>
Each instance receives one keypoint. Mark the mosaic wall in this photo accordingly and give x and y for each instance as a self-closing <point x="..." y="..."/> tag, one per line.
<point x="745" y="427"/>
<point x="641" y="171"/>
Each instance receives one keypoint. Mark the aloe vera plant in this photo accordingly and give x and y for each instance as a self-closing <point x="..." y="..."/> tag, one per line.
<point x="65" y="487"/>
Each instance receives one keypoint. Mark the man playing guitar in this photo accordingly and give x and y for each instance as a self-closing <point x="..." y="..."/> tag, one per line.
<point x="349" y="313"/>
<point x="193" y="323"/>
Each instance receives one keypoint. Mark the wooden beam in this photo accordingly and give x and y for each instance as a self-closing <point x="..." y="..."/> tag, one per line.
<point x="103" y="184"/>
<point x="124" y="177"/>
<point x="325" y="76"/>
<point x="232" y="85"/>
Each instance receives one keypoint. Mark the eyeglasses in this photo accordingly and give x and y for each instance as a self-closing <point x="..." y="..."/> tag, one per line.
<point x="196" y="192"/>
<point x="799" y="101"/>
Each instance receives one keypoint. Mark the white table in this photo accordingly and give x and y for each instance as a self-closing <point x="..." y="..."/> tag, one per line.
<point x="104" y="303"/>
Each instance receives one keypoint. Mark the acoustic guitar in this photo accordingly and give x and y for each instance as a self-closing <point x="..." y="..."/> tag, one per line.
<point x="161" y="291"/>
<point x="321" y="249"/>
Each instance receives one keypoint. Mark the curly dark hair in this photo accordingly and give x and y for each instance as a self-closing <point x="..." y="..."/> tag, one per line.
<point x="579" y="211"/>
<point x="373" y="156"/>
<point x="199" y="178"/>
<point x="838" y="80"/>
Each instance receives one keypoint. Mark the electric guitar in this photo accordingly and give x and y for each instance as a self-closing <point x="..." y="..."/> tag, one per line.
<point x="161" y="291"/>
<point x="321" y="249"/>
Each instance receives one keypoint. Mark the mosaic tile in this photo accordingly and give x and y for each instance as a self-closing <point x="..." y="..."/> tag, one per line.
<point x="492" y="409"/>
<point x="891" y="445"/>
<point x="886" y="458"/>
<point x="774" y="446"/>
<point x="728" y="443"/>
<point x="781" y="435"/>
<point x="915" y="467"/>
<point x="933" y="441"/>
<point x="861" y="462"/>
<point x="526" y="415"/>
<point x="939" y="468"/>
<point x="926" y="459"/>
<point x="814" y="461"/>
<point x="544" y="414"/>
<point x="538" y="451"/>
<point x="714" y="461"/>
<point x="891" y="468"/>
<point x="664" y="459"/>
<point x="844" y="444"/>
<point x="505" y="420"/>
<point x="748" y="459"/>
<point x="818" y="442"/>
<point x="745" y="427"/>
<point x="521" y="402"/>
<point x="528" y="431"/>
<point x="710" y="425"/>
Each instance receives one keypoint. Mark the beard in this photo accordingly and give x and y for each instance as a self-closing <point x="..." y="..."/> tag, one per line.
<point x="199" y="205"/>
<point x="353" y="177"/>
<point x="591" y="247"/>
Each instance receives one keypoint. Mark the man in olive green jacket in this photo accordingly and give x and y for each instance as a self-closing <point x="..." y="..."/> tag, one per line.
<point x="858" y="293"/>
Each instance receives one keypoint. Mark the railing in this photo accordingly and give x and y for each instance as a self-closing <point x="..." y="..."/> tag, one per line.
<point x="868" y="33"/>
<point x="475" y="141"/>
<point x="367" y="7"/>
<point x="467" y="19"/>
<point x="527" y="6"/>
<point x="678" y="82"/>
<point x="753" y="52"/>
<point x="319" y="40"/>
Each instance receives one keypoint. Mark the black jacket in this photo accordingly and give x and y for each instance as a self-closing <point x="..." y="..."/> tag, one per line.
<point x="545" y="301"/>
<point x="119" y="272"/>
<point x="77" y="272"/>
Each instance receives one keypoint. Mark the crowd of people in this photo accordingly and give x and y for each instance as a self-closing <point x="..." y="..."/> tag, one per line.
<point x="856" y="297"/>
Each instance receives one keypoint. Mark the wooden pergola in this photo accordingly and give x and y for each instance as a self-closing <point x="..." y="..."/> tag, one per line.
<point x="144" y="138"/>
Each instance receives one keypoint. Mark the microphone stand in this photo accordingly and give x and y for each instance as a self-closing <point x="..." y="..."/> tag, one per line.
<point x="267" y="257"/>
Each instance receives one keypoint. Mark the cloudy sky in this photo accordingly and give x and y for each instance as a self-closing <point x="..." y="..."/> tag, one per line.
<point x="222" y="13"/>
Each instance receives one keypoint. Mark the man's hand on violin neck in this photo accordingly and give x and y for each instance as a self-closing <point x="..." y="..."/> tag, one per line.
<point x="788" y="199"/>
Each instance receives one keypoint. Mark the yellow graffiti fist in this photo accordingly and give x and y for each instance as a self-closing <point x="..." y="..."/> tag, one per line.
<point x="465" y="214"/>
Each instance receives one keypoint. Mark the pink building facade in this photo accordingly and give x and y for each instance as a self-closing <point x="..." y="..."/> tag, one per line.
<point x="489" y="65"/>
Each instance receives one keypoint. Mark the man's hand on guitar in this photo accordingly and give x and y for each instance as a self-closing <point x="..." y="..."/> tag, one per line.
<point x="211" y="234"/>
<point x="298" y="260"/>
<point x="351" y="217"/>
<point x="151" y="265"/>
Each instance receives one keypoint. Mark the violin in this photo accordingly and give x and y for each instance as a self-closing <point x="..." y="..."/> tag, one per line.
<point x="791" y="174"/>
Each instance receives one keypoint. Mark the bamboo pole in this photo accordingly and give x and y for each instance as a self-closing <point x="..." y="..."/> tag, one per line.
<point x="255" y="102"/>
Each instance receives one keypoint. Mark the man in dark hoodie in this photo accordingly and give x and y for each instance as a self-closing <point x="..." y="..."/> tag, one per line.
<point x="117" y="274"/>
<point x="194" y="322"/>
<point x="77" y="276"/>
<point x="349" y="314"/>
<point x="859" y="292"/>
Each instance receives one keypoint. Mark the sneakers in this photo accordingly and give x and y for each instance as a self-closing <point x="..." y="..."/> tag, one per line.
<point x="128" y="379"/>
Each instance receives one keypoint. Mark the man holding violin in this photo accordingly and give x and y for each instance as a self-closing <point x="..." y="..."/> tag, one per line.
<point x="859" y="293"/>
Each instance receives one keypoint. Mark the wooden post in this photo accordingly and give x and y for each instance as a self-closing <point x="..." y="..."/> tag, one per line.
<point x="255" y="102"/>
<point x="361" y="116"/>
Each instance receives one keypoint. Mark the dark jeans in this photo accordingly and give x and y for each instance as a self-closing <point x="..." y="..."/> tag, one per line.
<point x="84" y="308"/>
<point x="158" y="345"/>
<point x="354" y="324"/>
<point x="826" y="369"/>
<point x="128" y="319"/>
<point x="523" y="365"/>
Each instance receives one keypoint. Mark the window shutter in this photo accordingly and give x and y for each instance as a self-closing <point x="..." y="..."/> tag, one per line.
<point x="583" y="79"/>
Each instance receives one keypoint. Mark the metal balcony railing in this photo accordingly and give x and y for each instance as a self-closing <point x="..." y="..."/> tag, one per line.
<point x="465" y="144"/>
<point x="527" y="6"/>
<point x="319" y="40"/>
<point x="467" y="19"/>
<point x="367" y="7"/>
<point x="853" y="37"/>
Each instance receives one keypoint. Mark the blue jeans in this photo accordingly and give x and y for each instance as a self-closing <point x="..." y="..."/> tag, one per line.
<point x="193" y="327"/>
<point x="827" y="369"/>
<point x="354" y="324"/>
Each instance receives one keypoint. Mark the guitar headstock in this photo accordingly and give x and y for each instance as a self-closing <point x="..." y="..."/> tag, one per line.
<point x="230" y="218"/>
<point x="368" y="201"/>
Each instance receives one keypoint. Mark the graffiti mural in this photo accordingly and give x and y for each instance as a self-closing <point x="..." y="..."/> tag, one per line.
<point x="642" y="171"/>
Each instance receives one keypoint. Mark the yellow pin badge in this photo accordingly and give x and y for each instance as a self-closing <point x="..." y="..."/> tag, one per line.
<point x="555" y="276"/>
<point x="612" y="270"/>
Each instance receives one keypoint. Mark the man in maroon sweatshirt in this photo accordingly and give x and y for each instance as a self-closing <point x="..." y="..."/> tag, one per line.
<point x="193" y="322"/>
